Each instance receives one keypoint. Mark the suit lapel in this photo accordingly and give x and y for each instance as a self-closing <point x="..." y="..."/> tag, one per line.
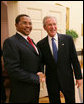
<point x="25" y="42"/>
<point x="60" y="44"/>
<point x="48" y="50"/>
<point x="47" y="46"/>
<point x="60" y="47"/>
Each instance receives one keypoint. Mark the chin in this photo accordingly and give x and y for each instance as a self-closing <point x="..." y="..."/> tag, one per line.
<point x="26" y="34"/>
<point x="52" y="35"/>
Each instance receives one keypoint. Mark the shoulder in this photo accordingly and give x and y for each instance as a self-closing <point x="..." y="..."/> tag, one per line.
<point x="10" y="40"/>
<point x="42" y="41"/>
<point x="65" y="36"/>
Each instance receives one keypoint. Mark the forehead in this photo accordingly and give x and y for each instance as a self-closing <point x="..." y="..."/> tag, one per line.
<point x="50" y="19"/>
<point x="25" y="18"/>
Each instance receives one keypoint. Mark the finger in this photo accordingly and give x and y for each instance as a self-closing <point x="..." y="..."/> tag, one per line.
<point x="76" y="83"/>
<point x="42" y="75"/>
<point x="43" y="79"/>
<point x="77" y="86"/>
<point x="39" y="73"/>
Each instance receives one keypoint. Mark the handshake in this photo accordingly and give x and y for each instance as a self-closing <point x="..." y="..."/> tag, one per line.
<point x="42" y="76"/>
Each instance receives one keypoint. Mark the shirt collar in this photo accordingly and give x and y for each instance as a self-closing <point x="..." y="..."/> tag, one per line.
<point x="55" y="37"/>
<point x="22" y="35"/>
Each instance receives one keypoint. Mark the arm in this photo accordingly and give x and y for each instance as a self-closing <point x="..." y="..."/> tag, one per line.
<point x="41" y="72"/>
<point x="76" y="65"/>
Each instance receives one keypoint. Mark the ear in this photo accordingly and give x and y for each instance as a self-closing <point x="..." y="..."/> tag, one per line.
<point x="44" y="27"/>
<point x="16" y="25"/>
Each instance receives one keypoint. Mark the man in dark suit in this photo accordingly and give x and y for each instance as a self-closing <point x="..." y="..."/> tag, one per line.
<point x="59" y="69"/>
<point x="22" y="60"/>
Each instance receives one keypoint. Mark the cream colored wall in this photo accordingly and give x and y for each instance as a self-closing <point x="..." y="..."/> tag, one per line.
<point x="4" y="22"/>
<point x="12" y="13"/>
<point x="76" y="19"/>
<point x="34" y="8"/>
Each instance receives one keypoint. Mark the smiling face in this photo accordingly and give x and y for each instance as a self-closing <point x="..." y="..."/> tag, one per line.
<point x="24" y="25"/>
<point x="50" y="26"/>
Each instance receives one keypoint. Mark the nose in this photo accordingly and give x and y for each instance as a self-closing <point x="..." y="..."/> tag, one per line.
<point x="52" y="26"/>
<point x="27" y="25"/>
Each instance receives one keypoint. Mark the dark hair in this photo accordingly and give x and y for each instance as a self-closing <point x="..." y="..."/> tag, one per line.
<point x="19" y="16"/>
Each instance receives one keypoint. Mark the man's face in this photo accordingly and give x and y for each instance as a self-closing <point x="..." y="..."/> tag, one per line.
<point x="51" y="26"/>
<point x="24" y="26"/>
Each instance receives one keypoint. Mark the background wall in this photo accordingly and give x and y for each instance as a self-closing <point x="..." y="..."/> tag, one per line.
<point x="75" y="19"/>
<point x="4" y="22"/>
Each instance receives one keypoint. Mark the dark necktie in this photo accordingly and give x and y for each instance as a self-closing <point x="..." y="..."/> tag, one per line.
<point x="54" y="47"/>
<point x="30" y="41"/>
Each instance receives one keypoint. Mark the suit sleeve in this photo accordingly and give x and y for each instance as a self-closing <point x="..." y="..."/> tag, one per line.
<point x="41" y="60"/>
<point x="12" y="64"/>
<point x="75" y="61"/>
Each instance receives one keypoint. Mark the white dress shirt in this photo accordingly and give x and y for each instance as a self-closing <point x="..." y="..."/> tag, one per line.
<point x="50" y="42"/>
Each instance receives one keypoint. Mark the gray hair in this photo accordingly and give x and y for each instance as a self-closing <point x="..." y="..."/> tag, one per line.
<point x="46" y="17"/>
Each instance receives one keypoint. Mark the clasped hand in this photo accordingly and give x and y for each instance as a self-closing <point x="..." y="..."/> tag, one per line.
<point x="41" y="76"/>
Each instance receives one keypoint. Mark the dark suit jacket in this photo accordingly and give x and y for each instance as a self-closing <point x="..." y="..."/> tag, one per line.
<point x="22" y="63"/>
<point x="3" y="93"/>
<point x="62" y="71"/>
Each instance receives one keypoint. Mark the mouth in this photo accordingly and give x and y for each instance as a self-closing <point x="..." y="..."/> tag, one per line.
<point x="27" y="30"/>
<point x="52" y="31"/>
